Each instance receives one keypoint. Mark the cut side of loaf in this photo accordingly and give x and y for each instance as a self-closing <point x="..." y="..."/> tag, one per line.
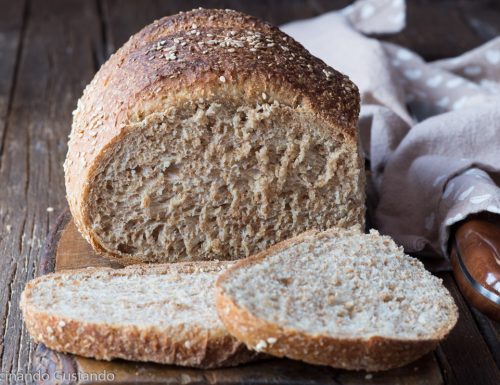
<point x="339" y="298"/>
<point x="164" y="314"/>
<point x="212" y="135"/>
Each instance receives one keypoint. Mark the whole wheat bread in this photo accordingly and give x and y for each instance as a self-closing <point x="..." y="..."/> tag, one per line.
<point x="338" y="298"/>
<point x="212" y="135"/>
<point x="163" y="314"/>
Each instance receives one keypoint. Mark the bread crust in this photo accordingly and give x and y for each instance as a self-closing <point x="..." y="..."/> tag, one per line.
<point x="185" y="345"/>
<point x="373" y="354"/>
<point x="136" y="85"/>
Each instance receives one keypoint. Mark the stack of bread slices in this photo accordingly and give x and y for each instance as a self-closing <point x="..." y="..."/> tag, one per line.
<point x="211" y="137"/>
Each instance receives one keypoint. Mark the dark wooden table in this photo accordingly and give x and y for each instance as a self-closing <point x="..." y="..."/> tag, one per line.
<point x="49" y="50"/>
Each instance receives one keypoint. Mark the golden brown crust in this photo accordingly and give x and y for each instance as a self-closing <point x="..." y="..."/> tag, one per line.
<point x="187" y="57"/>
<point x="188" y="346"/>
<point x="373" y="354"/>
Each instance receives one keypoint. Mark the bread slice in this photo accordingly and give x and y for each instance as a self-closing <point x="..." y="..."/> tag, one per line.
<point x="338" y="298"/>
<point x="212" y="135"/>
<point x="163" y="314"/>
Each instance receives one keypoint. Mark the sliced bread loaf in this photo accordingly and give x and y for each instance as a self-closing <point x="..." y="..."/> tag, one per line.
<point x="163" y="314"/>
<point x="212" y="135"/>
<point x="338" y="298"/>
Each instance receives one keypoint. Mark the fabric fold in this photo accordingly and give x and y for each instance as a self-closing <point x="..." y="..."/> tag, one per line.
<point x="431" y="131"/>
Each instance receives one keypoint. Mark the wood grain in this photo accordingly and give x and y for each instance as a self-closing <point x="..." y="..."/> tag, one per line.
<point x="435" y="28"/>
<point x="273" y="371"/>
<point x="73" y="252"/>
<point x="450" y="35"/>
<point x="490" y="331"/>
<point x="125" y="17"/>
<point x="12" y="25"/>
<point x="465" y="357"/>
<point x="55" y="50"/>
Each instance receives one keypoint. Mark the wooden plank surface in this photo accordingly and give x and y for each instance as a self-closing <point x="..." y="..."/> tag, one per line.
<point x="435" y="28"/>
<point x="125" y="17"/>
<point x="55" y="61"/>
<point x="12" y="25"/>
<point x="50" y="49"/>
<point x="490" y="330"/>
<point x="71" y="251"/>
<point x="465" y="357"/>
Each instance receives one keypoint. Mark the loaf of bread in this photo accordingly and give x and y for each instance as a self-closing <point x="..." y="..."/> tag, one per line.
<point x="212" y="135"/>
<point x="162" y="313"/>
<point x="338" y="298"/>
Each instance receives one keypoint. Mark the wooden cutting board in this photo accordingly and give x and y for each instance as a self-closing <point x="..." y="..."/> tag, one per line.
<point x="66" y="250"/>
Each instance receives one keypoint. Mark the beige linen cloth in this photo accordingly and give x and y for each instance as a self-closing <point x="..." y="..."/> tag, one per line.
<point x="430" y="130"/>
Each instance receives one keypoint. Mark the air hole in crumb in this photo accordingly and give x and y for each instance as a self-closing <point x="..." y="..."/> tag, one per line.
<point x="126" y="249"/>
<point x="130" y="224"/>
<point x="156" y="232"/>
<point x="171" y="170"/>
<point x="387" y="297"/>
<point x="242" y="116"/>
<point x="319" y="149"/>
<point x="285" y="281"/>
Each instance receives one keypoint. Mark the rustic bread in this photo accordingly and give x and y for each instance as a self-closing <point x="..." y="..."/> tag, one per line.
<point x="163" y="314"/>
<point x="338" y="298"/>
<point x="212" y="135"/>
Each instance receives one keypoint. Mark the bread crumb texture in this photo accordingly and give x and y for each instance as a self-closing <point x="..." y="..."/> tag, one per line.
<point x="212" y="135"/>
<point x="222" y="183"/>
<point x="163" y="314"/>
<point x="338" y="295"/>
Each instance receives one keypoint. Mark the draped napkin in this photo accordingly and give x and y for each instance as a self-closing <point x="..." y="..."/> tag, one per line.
<point x="431" y="130"/>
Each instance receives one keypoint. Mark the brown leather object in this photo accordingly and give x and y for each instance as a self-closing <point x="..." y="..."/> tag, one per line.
<point x="475" y="259"/>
